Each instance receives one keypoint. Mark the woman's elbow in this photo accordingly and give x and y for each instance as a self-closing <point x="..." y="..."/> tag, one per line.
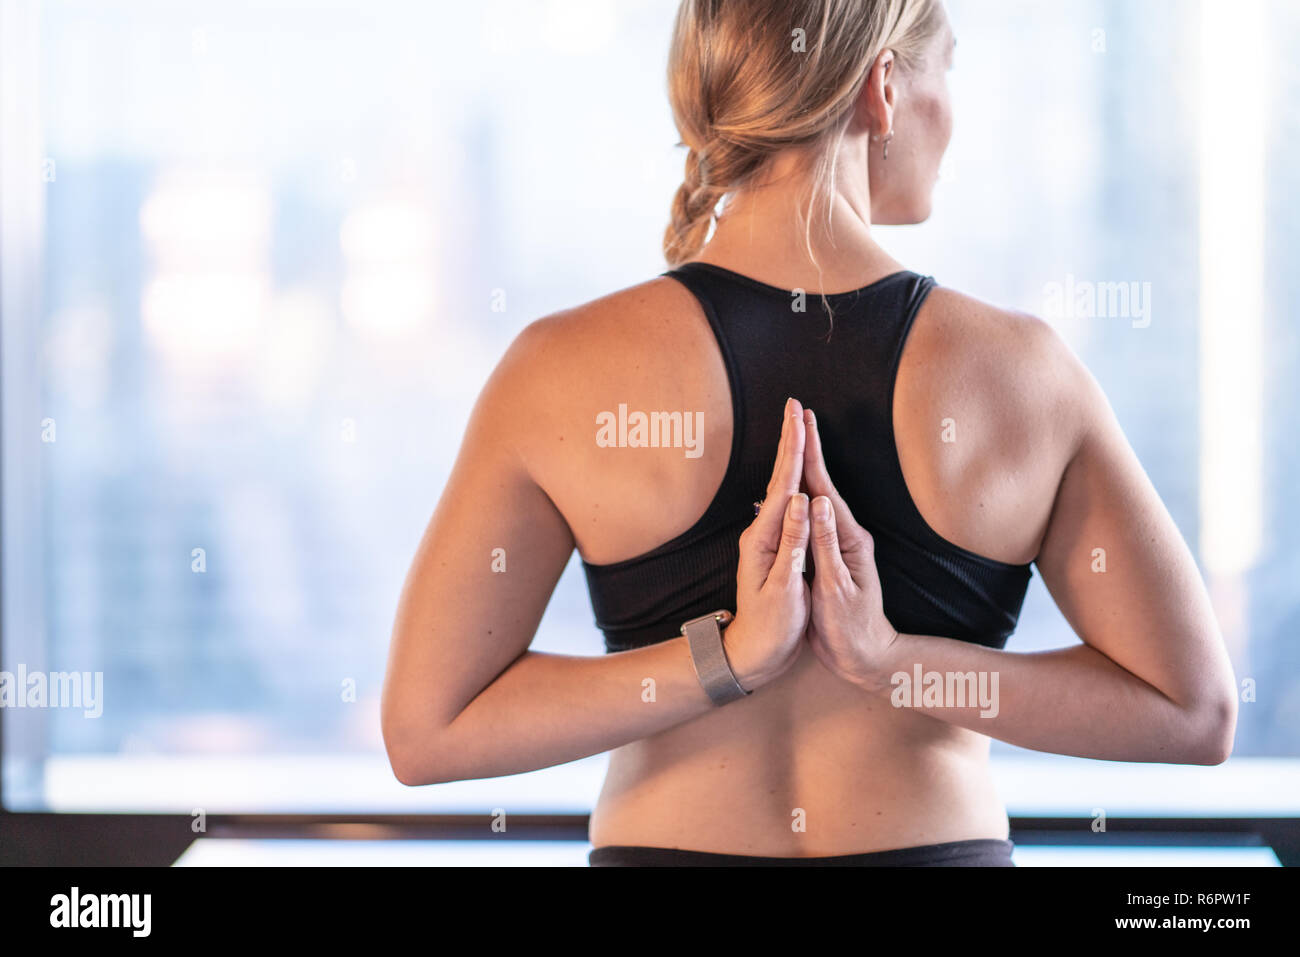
<point x="409" y="772"/>
<point x="1216" y="731"/>
<point x="411" y="751"/>
<point x="404" y="761"/>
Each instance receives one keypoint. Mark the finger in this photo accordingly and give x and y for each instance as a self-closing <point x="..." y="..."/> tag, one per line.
<point x="786" y="475"/>
<point x="816" y="475"/>
<point x="818" y="480"/>
<point x="792" y="554"/>
<point x="760" y="541"/>
<point x="824" y="538"/>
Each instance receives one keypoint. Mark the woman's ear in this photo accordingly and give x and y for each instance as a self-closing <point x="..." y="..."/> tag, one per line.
<point x="879" y="96"/>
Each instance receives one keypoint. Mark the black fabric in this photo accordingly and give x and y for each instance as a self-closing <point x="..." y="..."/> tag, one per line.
<point x="844" y="370"/>
<point x="980" y="852"/>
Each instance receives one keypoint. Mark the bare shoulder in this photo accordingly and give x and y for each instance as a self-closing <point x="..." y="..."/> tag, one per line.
<point x="990" y="406"/>
<point x="1020" y="365"/>
<point x="604" y="329"/>
<point x="647" y="343"/>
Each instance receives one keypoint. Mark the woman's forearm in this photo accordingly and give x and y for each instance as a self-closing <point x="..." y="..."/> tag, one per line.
<point x="549" y="709"/>
<point x="1073" y="701"/>
<point x="460" y="703"/>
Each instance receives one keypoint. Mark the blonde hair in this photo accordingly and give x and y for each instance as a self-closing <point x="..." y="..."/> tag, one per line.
<point x="748" y="78"/>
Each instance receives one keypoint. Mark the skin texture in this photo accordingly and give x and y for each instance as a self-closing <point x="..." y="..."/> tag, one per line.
<point x="1041" y="471"/>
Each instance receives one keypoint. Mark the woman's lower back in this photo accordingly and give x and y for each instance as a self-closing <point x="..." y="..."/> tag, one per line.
<point x="812" y="767"/>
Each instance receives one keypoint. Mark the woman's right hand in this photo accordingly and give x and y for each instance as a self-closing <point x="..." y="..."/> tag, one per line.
<point x="773" y="600"/>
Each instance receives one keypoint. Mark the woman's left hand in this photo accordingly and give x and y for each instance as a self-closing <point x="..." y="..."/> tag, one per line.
<point x="848" y="630"/>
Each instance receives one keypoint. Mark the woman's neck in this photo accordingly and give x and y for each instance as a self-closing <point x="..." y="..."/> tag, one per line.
<point x="761" y="233"/>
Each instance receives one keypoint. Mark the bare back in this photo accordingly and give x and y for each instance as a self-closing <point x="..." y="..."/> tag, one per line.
<point x="982" y="451"/>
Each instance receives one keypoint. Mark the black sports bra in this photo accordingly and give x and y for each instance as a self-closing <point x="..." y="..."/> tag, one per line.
<point x="930" y="586"/>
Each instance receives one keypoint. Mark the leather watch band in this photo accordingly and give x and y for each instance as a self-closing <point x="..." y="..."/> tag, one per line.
<point x="704" y="635"/>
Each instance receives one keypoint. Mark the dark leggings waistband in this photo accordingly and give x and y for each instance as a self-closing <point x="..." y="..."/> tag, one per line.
<point x="979" y="852"/>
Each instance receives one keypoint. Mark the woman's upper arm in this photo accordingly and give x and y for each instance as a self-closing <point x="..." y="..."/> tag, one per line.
<point x="1120" y="571"/>
<point x="487" y="563"/>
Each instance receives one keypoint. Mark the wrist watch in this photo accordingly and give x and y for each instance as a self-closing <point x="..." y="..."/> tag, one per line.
<point x="704" y="635"/>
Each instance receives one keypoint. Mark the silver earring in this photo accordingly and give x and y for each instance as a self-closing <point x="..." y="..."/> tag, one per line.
<point x="887" y="139"/>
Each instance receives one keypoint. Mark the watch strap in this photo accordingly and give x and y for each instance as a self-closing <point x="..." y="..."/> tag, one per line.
<point x="704" y="635"/>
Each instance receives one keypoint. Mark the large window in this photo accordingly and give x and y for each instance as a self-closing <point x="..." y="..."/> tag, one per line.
<point x="258" y="258"/>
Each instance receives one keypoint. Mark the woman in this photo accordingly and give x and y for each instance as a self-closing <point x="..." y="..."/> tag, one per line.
<point x="932" y="447"/>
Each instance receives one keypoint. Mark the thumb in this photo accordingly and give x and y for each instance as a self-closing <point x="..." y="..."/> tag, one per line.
<point x="789" y="562"/>
<point x="858" y="549"/>
<point x="826" y="541"/>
